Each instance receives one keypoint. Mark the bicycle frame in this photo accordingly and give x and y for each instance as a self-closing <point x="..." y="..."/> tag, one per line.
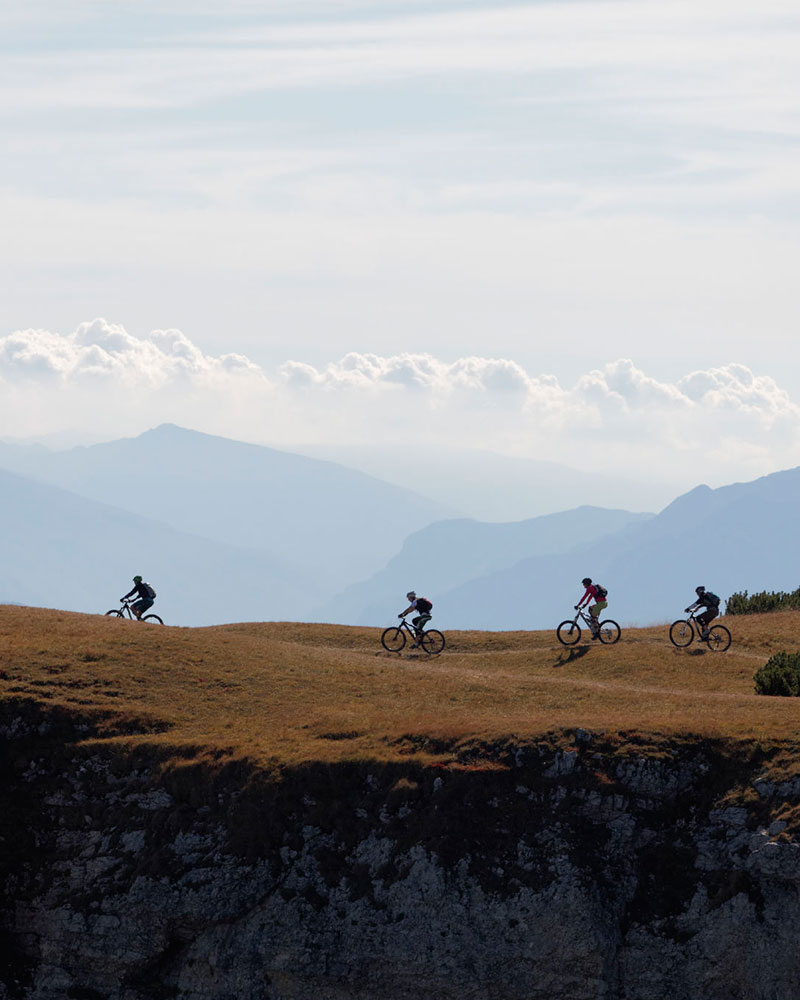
<point x="586" y="619"/>
<point x="125" y="610"/>
<point x="393" y="638"/>
<point x="717" y="636"/>
<point x="412" y="630"/>
<point x="698" y="626"/>
<point x="569" y="631"/>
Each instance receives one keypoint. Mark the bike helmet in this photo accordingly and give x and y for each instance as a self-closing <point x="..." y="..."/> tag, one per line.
<point x="586" y="581"/>
<point x="411" y="595"/>
<point x="699" y="590"/>
<point x="137" y="579"/>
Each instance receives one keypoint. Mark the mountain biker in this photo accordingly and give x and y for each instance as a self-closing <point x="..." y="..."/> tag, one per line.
<point x="424" y="607"/>
<point x="146" y="596"/>
<point x="709" y="601"/>
<point x="598" y="594"/>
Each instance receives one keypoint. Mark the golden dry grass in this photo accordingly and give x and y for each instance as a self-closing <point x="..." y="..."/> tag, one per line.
<point x="285" y="692"/>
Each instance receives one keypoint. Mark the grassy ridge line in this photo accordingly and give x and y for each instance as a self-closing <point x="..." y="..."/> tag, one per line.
<point x="285" y="692"/>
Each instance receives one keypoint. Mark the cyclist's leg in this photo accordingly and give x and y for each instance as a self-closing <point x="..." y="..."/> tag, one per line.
<point x="594" y="614"/>
<point x="139" y="607"/>
<point x="706" y="618"/>
<point x="419" y="624"/>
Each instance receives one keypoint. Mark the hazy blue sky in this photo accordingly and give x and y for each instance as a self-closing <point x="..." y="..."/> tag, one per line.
<point x="553" y="185"/>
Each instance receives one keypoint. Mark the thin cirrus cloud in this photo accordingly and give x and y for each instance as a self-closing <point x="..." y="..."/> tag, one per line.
<point x="709" y="43"/>
<point x="139" y="381"/>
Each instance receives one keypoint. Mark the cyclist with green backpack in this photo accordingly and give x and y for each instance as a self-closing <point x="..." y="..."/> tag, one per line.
<point x="146" y="596"/>
<point x="597" y="593"/>
<point x="423" y="607"/>
<point x="705" y="599"/>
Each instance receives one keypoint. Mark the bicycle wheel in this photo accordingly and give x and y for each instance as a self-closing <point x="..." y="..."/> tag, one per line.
<point x="432" y="641"/>
<point x="719" y="638"/>
<point x="568" y="633"/>
<point x="153" y="619"/>
<point x="609" y="632"/>
<point x="114" y="613"/>
<point x="393" y="638"/>
<point x="681" y="633"/>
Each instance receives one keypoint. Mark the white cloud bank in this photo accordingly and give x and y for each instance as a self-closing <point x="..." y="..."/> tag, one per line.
<point x="102" y="350"/>
<point x="720" y="423"/>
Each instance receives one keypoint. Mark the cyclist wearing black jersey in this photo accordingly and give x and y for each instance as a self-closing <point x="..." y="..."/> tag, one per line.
<point x="146" y="596"/>
<point x="709" y="601"/>
<point x="423" y="607"/>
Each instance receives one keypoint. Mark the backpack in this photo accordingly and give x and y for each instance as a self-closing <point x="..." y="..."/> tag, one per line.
<point x="712" y="597"/>
<point x="602" y="593"/>
<point x="424" y="606"/>
<point x="149" y="591"/>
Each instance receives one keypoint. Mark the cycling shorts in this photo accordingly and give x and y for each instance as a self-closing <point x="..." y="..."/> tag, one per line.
<point x="595" y="609"/>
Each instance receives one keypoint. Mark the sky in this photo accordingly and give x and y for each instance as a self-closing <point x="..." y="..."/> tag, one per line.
<point x="564" y="230"/>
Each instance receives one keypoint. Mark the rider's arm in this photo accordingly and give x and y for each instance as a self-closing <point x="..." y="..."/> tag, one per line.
<point x="408" y="611"/>
<point x="589" y="593"/>
<point x="129" y="594"/>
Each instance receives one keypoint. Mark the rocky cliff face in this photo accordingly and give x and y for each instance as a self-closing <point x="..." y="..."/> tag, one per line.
<point x="522" y="872"/>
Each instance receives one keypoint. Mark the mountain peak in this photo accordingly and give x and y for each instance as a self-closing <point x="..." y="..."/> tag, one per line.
<point x="164" y="430"/>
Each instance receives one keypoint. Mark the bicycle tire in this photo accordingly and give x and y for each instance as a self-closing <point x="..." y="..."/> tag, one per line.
<point x="719" y="638"/>
<point x="154" y="619"/>
<point x="114" y="613"/>
<point x="568" y="633"/>
<point x="681" y="633"/>
<point x="432" y="641"/>
<point x="393" y="639"/>
<point x="609" y="632"/>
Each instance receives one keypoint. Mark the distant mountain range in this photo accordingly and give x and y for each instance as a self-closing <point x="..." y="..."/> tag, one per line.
<point x="739" y="537"/>
<point x="62" y="550"/>
<point x="327" y="524"/>
<point x="448" y="554"/>
<point x="491" y="487"/>
<point x="228" y="531"/>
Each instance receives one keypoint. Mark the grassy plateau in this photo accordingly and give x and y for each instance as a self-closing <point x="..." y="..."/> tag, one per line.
<point x="285" y="693"/>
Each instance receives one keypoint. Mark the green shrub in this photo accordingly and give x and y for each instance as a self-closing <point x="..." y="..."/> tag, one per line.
<point x="780" y="675"/>
<point x="768" y="600"/>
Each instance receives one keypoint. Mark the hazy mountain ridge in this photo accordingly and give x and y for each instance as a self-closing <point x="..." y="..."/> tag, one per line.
<point x="738" y="537"/>
<point x="271" y="535"/>
<point x="447" y="554"/>
<point x="489" y="486"/>
<point x="63" y="550"/>
<point x="324" y="521"/>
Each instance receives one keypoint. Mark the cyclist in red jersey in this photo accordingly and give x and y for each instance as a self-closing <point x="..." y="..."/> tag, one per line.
<point x="592" y="593"/>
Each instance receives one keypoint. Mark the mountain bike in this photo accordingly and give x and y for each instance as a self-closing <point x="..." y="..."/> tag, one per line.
<point x="394" y="638"/>
<point x="126" y="610"/>
<point x="682" y="633"/>
<point x="569" y="631"/>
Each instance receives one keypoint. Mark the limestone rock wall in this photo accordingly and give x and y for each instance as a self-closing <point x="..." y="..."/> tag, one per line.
<point x="544" y="873"/>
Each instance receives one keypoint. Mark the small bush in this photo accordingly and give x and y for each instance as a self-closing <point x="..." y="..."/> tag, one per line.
<point x="743" y="603"/>
<point x="779" y="676"/>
